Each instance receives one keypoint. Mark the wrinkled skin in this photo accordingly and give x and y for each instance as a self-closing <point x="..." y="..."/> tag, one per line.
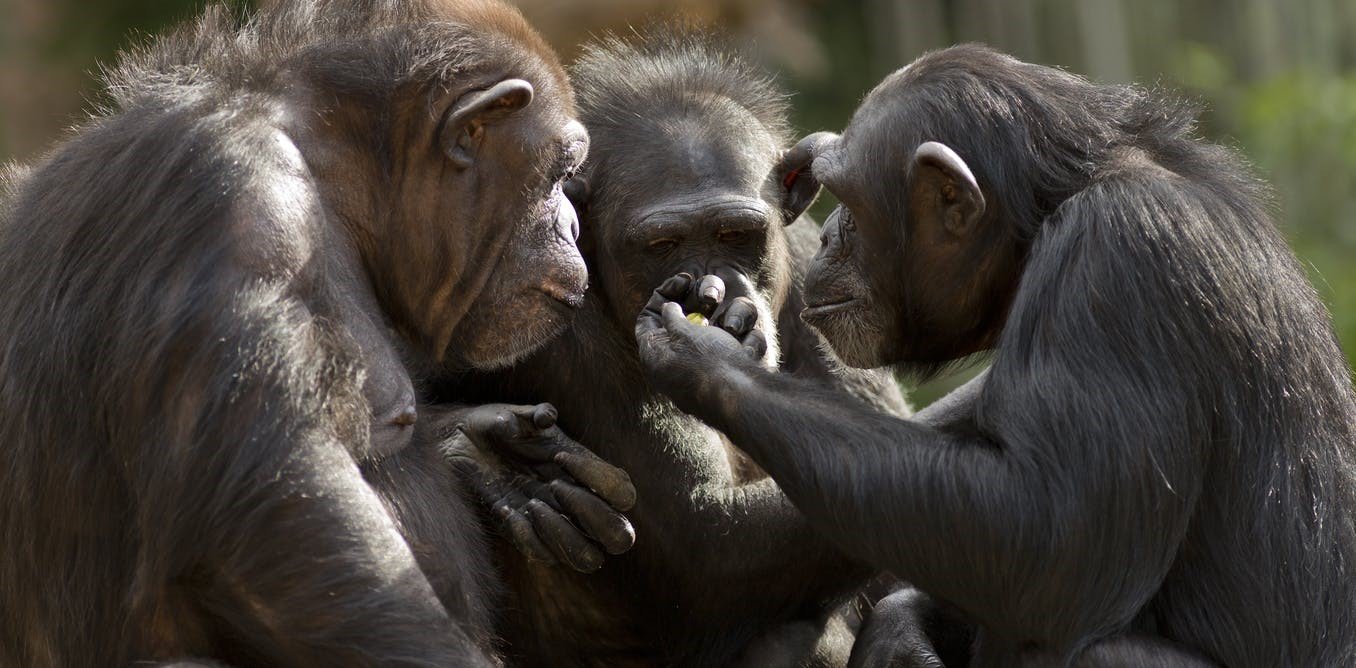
<point x="1122" y="485"/>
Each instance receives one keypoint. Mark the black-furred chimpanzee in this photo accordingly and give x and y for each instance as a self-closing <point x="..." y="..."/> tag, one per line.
<point x="1163" y="447"/>
<point x="682" y="175"/>
<point x="197" y="282"/>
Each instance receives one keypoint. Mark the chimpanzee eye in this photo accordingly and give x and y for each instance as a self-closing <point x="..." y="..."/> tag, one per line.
<point x="730" y="236"/>
<point x="661" y="246"/>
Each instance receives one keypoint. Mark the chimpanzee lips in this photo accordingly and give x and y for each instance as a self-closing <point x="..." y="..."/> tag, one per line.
<point x="571" y="298"/>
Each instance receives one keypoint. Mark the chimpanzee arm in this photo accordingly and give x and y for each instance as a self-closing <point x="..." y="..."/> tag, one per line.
<point x="1060" y="507"/>
<point x="1133" y="650"/>
<point x="251" y="496"/>
<point x="709" y="527"/>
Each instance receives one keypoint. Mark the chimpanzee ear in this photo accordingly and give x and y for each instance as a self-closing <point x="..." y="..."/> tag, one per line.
<point x="795" y="182"/>
<point x="464" y="128"/>
<point x="941" y="182"/>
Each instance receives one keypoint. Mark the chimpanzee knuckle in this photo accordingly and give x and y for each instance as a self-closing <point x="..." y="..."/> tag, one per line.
<point x="675" y="287"/>
<point x="524" y="537"/>
<point x="522" y="413"/>
<point x="544" y="416"/>
<point x="529" y="488"/>
<point x="756" y="345"/>
<point x="566" y="541"/>
<point x="709" y="293"/>
<point x="741" y="317"/>
<point x="503" y="432"/>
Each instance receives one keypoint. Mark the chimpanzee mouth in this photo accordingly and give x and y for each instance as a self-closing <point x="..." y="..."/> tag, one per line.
<point x="563" y="296"/>
<point x="828" y="308"/>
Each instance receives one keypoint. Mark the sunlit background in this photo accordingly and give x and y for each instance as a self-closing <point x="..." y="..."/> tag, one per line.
<point x="1277" y="77"/>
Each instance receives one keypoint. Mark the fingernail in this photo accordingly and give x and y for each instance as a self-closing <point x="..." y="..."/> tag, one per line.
<point x="735" y="323"/>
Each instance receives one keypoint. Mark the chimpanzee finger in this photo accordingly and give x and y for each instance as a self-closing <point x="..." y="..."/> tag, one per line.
<point x="606" y="480"/>
<point x="535" y="417"/>
<point x="708" y="295"/>
<point x="520" y="532"/>
<point x="567" y="542"/>
<point x="531" y="488"/>
<point x="671" y="316"/>
<point x="544" y="416"/>
<point x="740" y="317"/>
<point x="674" y="289"/>
<point x="755" y="344"/>
<point x="502" y="426"/>
<point x="598" y="520"/>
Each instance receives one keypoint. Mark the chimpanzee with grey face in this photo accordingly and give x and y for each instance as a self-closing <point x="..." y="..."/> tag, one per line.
<point x="683" y="175"/>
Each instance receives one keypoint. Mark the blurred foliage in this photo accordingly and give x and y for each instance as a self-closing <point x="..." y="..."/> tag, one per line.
<point x="1277" y="78"/>
<point x="1274" y="79"/>
<point x="1299" y="128"/>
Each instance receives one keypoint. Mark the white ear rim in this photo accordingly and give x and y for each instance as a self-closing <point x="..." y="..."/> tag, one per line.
<point x="939" y="153"/>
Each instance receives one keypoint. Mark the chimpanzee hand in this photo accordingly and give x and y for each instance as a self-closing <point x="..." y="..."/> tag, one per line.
<point x="682" y="358"/>
<point x="551" y="497"/>
<point x="908" y="630"/>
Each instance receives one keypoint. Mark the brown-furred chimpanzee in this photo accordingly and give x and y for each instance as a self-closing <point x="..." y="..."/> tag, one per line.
<point x="1162" y="449"/>
<point x="197" y="282"/>
<point x="681" y="176"/>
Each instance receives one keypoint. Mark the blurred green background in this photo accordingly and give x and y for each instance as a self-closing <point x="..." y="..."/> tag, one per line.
<point x="1277" y="77"/>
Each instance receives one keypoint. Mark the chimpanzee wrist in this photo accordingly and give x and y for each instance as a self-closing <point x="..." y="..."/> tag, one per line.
<point x="718" y="395"/>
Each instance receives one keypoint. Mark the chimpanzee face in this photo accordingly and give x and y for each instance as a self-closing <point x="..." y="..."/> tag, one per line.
<point x="480" y="259"/>
<point x="694" y="197"/>
<point x="508" y="166"/>
<point x="851" y="291"/>
<point x="904" y="273"/>
<point x="448" y="178"/>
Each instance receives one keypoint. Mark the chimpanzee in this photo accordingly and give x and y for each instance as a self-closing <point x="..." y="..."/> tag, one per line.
<point x="1163" y="446"/>
<point x="197" y="282"/>
<point x="681" y="175"/>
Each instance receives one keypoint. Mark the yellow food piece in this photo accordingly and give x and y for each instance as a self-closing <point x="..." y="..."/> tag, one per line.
<point x="696" y="319"/>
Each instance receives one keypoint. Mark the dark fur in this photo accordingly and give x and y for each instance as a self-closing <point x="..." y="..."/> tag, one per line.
<point x="721" y="557"/>
<point x="189" y="314"/>
<point x="1164" y="443"/>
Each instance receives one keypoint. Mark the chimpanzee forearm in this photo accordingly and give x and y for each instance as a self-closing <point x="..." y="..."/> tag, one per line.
<point x="892" y="492"/>
<point x="329" y="564"/>
<point x="438" y="518"/>
<point x="1134" y="650"/>
<point x="741" y="535"/>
